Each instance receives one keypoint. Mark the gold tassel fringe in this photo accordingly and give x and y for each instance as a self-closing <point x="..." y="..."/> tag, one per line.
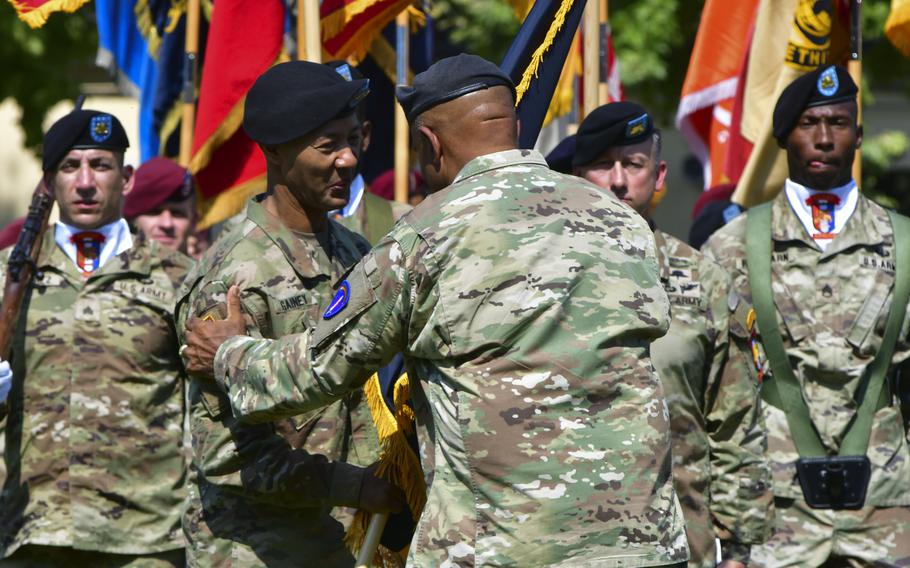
<point x="37" y="17"/>
<point x="559" y="20"/>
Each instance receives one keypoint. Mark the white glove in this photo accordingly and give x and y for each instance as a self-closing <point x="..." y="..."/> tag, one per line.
<point x="6" y="380"/>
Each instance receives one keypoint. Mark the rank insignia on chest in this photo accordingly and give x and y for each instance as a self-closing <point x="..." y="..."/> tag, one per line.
<point x="88" y="250"/>
<point x="823" y="208"/>
<point x="339" y="301"/>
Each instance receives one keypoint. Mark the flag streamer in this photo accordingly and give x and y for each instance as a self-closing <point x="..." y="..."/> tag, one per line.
<point x="398" y="463"/>
<point x="530" y="72"/>
<point x="36" y="12"/>
<point x="897" y="27"/>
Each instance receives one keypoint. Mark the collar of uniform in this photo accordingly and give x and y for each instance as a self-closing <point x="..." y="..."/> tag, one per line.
<point x="293" y="249"/>
<point x="499" y="160"/>
<point x="867" y="226"/>
<point x="785" y="224"/>
<point x="135" y="260"/>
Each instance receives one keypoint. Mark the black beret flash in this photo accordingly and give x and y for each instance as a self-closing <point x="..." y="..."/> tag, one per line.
<point x="826" y="85"/>
<point x="615" y="124"/>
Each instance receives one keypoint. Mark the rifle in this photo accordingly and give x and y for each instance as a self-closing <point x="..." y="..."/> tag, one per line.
<point x="21" y="266"/>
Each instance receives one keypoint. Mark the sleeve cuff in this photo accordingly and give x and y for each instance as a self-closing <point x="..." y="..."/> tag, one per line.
<point x="344" y="489"/>
<point x="732" y="550"/>
<point x="228" y="358"/>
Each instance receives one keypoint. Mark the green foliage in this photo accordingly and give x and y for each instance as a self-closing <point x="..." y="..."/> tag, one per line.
<point x="879" y="152"/>
<point x="41" y="67"/>
<point x="484" y="27"/>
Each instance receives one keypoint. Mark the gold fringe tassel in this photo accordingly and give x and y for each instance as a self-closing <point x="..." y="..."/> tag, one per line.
<point x="559" y="20"/>
<point x="397" y="461"/>
<point x="37" y="17"/>
<point x="229" y="202"/>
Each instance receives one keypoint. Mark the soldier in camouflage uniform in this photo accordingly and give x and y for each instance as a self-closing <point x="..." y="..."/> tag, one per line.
<point x="832" y="275"/>
<point x="705" y="361"/>
<point x="525" y="301"/>
<point x="93" y="428"/>
<point x="264" y="494"/>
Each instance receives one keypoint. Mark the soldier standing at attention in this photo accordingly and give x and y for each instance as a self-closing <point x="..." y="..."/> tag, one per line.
<point x="162" y="203"/>
<point x="525" y="301"/>
<point x="818" y="264"/>
<point x="705" y="361"/>
<point x="93" y="423"/>
<point x="265" y="494"/>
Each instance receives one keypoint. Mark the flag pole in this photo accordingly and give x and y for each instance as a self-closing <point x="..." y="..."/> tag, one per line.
<point x="591" y="57"/>
<point x="312" y="33"/>
<point x="190" y="71"/>
<point x="855" y="67"/>
<point x="371" y="540"/>
<point x="301" y="31"/>
<point x="603" y="89"/>
<point x="402" y="162"/>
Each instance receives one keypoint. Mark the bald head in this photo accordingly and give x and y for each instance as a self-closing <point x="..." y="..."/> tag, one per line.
<point x="453" y="133"/>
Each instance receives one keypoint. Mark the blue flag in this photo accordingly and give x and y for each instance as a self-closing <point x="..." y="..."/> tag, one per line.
<point x="536" y="58"/>
<point x="124" y="52"/>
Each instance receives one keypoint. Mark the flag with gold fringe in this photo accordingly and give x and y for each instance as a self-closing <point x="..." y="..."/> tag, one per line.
<point x="388" y="394"/>
<point x="350" y="26"/>
<point x="36" y="12"/>
<point x="897" y="26"/>
<point x="537" y="57"/>
<point x="244" y="39"/>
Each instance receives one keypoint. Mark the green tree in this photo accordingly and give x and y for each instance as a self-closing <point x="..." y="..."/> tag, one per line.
<point x="45" y="66"/>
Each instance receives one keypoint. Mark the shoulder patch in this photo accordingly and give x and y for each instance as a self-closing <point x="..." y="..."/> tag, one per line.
<point x="339" y="301"/>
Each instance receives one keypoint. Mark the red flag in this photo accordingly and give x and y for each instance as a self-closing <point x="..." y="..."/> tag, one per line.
<point x="706" y="103"/>
<point x="35" y="12"/>
<point x="244" y="40"/>
<point x="349" y="26"/>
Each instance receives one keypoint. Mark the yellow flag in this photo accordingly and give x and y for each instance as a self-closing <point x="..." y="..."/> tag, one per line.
<point x="897" y="28"/>
<point x="801" y="35"/>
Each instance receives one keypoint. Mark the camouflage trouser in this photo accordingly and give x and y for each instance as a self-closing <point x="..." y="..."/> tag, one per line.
<point x="36" y="556"/>
<point x="819" y="537"/>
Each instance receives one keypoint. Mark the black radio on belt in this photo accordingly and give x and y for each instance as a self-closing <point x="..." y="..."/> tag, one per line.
<point x="836" y="482"/>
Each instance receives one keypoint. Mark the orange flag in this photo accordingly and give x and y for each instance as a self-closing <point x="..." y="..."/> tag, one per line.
<point x="35" y="12"/>
<point x="706" y="103"/>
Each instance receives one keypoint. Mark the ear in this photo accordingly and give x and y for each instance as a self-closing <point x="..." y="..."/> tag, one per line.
<point x="366" y="128"/>
<point x="432" y="146"/>
<point x="130" y="179"/>
<point x="271" y="154"/>
<point x="517" y="130"/>
<point x="859" y="136"/>
<point x="661" y="174"/>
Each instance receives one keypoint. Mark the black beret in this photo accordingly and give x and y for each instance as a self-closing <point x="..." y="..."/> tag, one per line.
<point x="615" y="124"/>
<point x="448" y="79"/>
<point x="824" y="86"/>
<point x="295" y="98"/>
<point x="82" y="129"/>
<point x="560" y="158"/>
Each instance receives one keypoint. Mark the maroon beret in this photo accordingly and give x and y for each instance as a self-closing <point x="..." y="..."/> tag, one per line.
<point x="10" y="233"/>
<point x="157" y="180"/>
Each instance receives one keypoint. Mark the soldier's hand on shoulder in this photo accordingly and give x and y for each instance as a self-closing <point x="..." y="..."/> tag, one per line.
<point x="378" y="495"/>
<point x="204" y="336"/>
<point x="6" y="380"/>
